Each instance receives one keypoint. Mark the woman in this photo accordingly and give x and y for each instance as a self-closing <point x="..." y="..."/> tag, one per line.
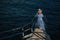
<point x="40" y="21"/>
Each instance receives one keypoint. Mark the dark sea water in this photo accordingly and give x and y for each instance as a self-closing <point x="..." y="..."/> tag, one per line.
<point x="11" y="12"/>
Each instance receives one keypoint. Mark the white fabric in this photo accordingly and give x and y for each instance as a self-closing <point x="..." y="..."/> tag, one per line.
<point x="40" y="21"/>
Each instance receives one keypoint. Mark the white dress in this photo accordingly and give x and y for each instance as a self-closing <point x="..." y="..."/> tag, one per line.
<point x="40" y="21"/>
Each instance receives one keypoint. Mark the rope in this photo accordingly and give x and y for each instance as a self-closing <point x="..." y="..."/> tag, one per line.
<point x="10" y="36"/>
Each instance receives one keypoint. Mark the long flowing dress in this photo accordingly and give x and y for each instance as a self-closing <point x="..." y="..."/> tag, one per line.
<point x="40" y="21"/>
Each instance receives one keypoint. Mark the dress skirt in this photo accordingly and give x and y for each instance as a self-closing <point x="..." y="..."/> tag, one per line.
<point x="41" y="24"/>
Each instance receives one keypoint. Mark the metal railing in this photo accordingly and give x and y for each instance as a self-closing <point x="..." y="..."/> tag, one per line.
<point x="15" y="31"/>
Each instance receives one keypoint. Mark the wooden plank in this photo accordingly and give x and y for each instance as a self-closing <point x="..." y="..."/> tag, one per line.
<point x="40" y="36"/>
